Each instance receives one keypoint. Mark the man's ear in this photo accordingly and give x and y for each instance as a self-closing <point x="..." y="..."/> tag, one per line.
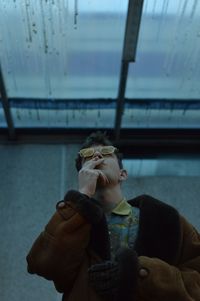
<point x="123" y="175"/>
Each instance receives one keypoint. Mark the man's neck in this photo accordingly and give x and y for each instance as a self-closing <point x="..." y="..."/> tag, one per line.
<point x="109" y="197"/>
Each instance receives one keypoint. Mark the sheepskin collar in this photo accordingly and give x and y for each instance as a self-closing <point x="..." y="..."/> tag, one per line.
<point x="159" y="229"/>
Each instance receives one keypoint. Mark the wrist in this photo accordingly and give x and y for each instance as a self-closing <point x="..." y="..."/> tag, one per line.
<point x="86" y="206"/>
<point x="86" y="192"/>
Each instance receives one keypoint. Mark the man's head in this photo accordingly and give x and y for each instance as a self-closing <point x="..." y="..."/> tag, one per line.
<point x="97" y="139"/>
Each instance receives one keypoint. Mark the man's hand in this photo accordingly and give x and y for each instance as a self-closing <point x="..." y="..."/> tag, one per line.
<point x="116" y="280"/>
<point x="88" y="176"/>
<point x="104" y="278"/>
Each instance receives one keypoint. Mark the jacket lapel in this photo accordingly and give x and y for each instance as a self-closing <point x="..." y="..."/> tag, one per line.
<point x="159" y="229"/>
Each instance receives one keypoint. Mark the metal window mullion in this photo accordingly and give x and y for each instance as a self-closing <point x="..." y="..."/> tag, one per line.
<point x="133" y="20"/>
<point x="120" y="98"/>
<point x="6" y="107"/>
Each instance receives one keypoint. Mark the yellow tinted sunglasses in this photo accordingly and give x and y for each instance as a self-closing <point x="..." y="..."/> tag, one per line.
<point x="104" y="150"/>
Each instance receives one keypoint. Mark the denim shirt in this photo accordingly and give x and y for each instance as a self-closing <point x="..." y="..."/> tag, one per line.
<point x="123" y="224"/>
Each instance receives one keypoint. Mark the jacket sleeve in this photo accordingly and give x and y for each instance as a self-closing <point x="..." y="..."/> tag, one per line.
<point x="180" y="282"/>
<point x="61" y="248"/>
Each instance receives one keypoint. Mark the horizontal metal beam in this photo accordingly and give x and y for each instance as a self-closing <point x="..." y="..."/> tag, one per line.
<point x="133" y="143"/>
<point x="100" y="103"/>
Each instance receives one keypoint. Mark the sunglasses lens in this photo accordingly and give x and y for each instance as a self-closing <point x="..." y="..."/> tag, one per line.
<point x="86" y="152"/>
<point x="106" y="150"/>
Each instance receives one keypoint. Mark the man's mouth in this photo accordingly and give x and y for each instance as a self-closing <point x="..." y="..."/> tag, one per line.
<point x="100" y="166"/>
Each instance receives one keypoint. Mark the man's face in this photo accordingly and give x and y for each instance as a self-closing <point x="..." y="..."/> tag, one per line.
<point x="110" y="166"/>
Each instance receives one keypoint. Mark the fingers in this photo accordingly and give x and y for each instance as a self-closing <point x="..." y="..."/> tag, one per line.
<point x="103" y="177"/>
<point x="90" y="176"/>
<point x="93" y="163"/>
<point x="104" y="276"/>
<point x="104" y="266"/>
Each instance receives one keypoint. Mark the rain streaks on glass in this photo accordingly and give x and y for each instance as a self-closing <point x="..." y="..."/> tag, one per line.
<point x="168" y="55"/>
<point x="62" y="48"/>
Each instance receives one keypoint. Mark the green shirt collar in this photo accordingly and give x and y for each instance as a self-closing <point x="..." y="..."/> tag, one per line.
<point x="123" y="208"/>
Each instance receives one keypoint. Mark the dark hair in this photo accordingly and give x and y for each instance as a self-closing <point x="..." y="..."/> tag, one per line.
<point x="97" y="138"/>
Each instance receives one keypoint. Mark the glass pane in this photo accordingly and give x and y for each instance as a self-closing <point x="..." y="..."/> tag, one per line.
<point x="162" y="167"/>
<point x="139" y="117"/>
<point x="2" y="117"/>
<point x="63" y="48"/>
<point x="168" y="52"/>
<point x="62" y="114"/>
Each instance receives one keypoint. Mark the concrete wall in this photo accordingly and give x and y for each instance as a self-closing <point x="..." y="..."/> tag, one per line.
<point x="32" y="179"/>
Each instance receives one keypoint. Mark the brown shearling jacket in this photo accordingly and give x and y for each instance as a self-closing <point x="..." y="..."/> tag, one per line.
<point x="167" y="246"/>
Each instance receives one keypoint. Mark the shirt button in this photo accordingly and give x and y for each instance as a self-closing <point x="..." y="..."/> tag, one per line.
<point x="61" y="204"/>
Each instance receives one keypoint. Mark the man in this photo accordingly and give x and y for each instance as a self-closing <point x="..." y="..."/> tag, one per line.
<point x="98" y="246"/>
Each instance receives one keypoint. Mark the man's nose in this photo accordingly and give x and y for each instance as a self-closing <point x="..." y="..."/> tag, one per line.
<point x="98" y="154"/>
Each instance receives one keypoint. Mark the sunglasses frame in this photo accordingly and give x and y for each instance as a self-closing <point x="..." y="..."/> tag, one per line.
<point x="114" y="149"/>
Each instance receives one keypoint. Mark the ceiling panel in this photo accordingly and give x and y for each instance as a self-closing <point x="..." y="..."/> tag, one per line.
<point x="168" y="52"/>
<point x="62" y="48"/>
